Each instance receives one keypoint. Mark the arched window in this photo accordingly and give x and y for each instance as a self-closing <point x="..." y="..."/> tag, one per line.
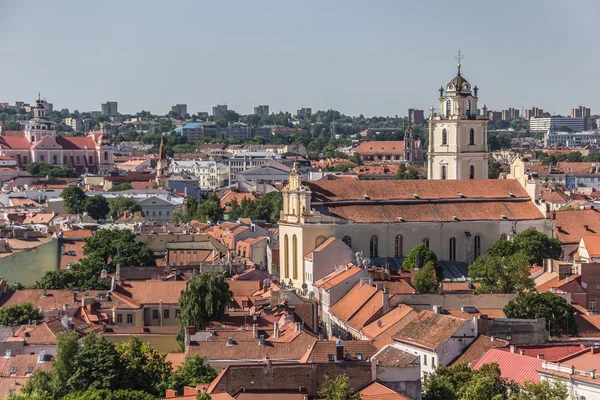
<point x="452" y="249"/>
<point x="286" y="256"/>
<point x="42" y="158"/>
<point x="503" y="236"/>
<point x="106" y="155"/>
<point x="398" y="246"/>
<point x="319" y="241"/>
<point x="444" y="137"/>
<point x="476" y="247"/>
<point x="448" y="107"/>
<point x="426" y="242"/>
<point x="374" y="246"/>
<point x="472" y="172"/>
<point x="295" y="256"/>
<point x="472" y="136"/>
<point x="443" y="172"/>
<point x="348" y="240"/>
<point x="468" y="107"/>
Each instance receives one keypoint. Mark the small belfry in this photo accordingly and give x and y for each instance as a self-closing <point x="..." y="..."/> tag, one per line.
<point x="162" y="167"/>
<point x="458" y="146"/>
<point x="296" y="198"/>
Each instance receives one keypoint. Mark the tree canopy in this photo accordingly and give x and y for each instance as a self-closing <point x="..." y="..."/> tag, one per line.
<point x="559" y="314"/>
<point x="20" y="314"/>
<point x="193" y="372"/>
<point x="267" y="207"/>
<point x="119" y="187"/>
<point x="408" y="172"/>
<point x="338" y="388"/>
<point x="73" y="199"/>
<point x="120" y="204"/>
<point x="425" y="280"/>
<point x="206" y="298"/>
<point x="51" y="171"/>
<point x="96" y="206"/>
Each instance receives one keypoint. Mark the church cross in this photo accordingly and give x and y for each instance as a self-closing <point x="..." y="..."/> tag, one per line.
<point x="459" y="58"/>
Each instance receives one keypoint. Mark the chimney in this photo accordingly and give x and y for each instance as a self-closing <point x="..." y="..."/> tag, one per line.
<point x="229" y="341"/>
<point x="191" y="330"/>
<point x="492" y="338"/>
<point x="339" y="350"/>
<point x="276" y="330"/>
<point x="385" y="301"/>
<point x="261" y="341"/>
<point x="255" y="331"/>
<point x="540" y="356"/>
<point x="7" y="354"/>
<point x="567" y="279"/>
<point x="522" y="352"/>
<point x="170" y="393"/>
<point x="513" y="348"/>
<point x="437" y="309"/>
<point x="379" y="286"/>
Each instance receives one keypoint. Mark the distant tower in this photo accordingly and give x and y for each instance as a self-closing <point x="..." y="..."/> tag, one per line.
<point x="458" y="146"/>
<point x="162" y="167"/>
<point x="39" y="126"/>
<point x="409" y="145"/>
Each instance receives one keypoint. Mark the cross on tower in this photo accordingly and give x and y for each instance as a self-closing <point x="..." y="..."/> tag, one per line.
<point x="459" y="58"/>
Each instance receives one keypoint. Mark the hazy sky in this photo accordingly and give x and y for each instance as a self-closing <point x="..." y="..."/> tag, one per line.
<point x="371" y="57"/>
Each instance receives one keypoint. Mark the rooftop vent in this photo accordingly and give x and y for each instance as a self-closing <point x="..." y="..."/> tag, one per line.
<point x="401" y="219"/>
<point x="366" y="197"/>
<point x="416" y="196"/>
<point x="454" y="217"/>
<point x="511" y="194"/>
<point x="503" y="217"/>
<point x="462" y="196"/>
<point x="229" y="341"/>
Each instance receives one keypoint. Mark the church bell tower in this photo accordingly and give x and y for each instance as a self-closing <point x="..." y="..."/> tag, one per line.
<point x="458" y="146"/>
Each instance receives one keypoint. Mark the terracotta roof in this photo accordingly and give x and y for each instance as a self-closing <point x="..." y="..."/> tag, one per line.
<point x="471" y="312"/>
<point x="369" y="311"/>
<point x="74" y="142"/>
<point x="478" y="348"/>
<point x="550" y="352"/>
<point x="21" y="202"/>
<point x="513" y="366"/>
<point x="20" y="364"/>
<point x="323" y="351"/>
<point x="14" y="142"/>
<point x="77" y="234"/>
<point x="380" y="331"/>
<point x="72" y="253"/>
<point x="425" y="189"/>
<point x="239" y="196"/>
<point x="555" y="283"/>
<point x="391" y="356"/>
<point x="337" y="277"/>
<point x="11" y="386"/>
<point x="571" y="225"/>
<point x="439" y="329"/>
<point x="17" y="245"/>
<point x="152" y="292"/>
<point x="42" y="334"/>
<point x="190" y="257"/>
<point x="388" y="169"/>
<point x="456" y="286"/>
<point x="592" y="245"/>
<point x="376" y="391"/>
<point x="263" y="395"/>
<point x="243" y="287"/>
<point x="571" y="377"/>
<point x="39" y="218"/>
<point x="352" y="301"/>
<point x="400" y="286"/>
<point x="589" y="325"/>
<point x="381" y="147"/>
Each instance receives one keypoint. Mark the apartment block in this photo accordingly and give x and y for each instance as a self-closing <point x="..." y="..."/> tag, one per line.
<point x="219" y="110"/>
<point x="582" y="112"/>
<point x="109" y="108"/>
<point x="180" y="109"/>
<point x="416" y="117"/>
<point x="533" y="112"/>
<point x="262" y="110"/>
<point x="556" y="123"/>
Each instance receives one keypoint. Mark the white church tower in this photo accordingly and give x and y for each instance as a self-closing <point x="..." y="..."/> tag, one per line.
<point x="458" y="146"/>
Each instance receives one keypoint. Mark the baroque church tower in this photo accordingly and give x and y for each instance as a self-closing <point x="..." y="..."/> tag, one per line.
<point x="162" y="167"/>
<point x="458" y="147"/>
<point x="296" y="199"/>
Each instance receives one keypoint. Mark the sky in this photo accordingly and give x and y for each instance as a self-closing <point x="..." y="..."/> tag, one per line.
<point x="376" y="57"/>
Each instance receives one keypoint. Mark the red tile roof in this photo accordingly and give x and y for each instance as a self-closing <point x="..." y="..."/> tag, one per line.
<point x="74" y="142"/>
<point x="14" y="142"/>
<point x="339" y="276"/>
<point x="478" y="348"/>
<point x="571" y="225"/>
<point x="513" y="366"/>
<point x="438" y="327"/>
<point x="380" y="331"/>
<point x="380" y="147"/>
<point x="376" y="391"/>
<point x="549" y="352"/>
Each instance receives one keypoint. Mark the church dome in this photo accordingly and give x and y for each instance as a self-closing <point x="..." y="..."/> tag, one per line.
<point x="458" y="84"/>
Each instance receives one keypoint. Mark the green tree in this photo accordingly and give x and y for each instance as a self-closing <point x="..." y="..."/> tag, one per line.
<point x="206" y="298"/>
<point x="96" y="206"/>
<point x="62" y="367"/>
<point x="106" y="394"/>
<point x="234" y="209"/>
<point x="497" y="274"/>
<point x="407" y="172"/>
<point x="120" y="187"/>
<point x="543" y="390"/>
<point x="120" y="204"/>
<point x="193" y="372"/>
<point x="425" y="280"/>
<point x="210" y="209"/>
<point x="74" y="199"/>
<point x="338" y="388"/>
<point x="20" y="314"/>
<point x="537" y="246"/>
<point x="420" y="254"/>
<point x="203" y="396"/>
<point x="559" y="314"/>
<point x="143" y="367"/>
<point x="494" y="169"/>
<point x="116" y="246"/>
<point x="96" y="365"/>
<point x="486" y="384"/>
<point x="51" y="171"/>
<point x="445" y="382"/>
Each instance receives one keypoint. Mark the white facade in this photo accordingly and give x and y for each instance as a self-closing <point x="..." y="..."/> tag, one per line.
<point x="457" y="136"/>
<point x="210" y="174"/>
<point x="581" y="385"/>
<point x="553" y="123"/>
<point x="570" y="139"/>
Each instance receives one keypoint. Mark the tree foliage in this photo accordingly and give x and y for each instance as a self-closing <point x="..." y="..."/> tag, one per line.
<point x="73" y="199"/>
<point x="425" y="280"/>
<point x="105" y="394"/>
<point x="205" y="299"/>
<point x="559" y="314"/>
<point x="119" y="187"/>
<point x="193" y="372"/>
<point x="494" y="169"/>
<point x="96" y="206"/>
<point x="143" y="367"/>
<point x="537" y="246"/>
<point x="120" y="204"/>
<point x="421" y="255"/>
<point x="267" y="207"/>
<point x="19" y="314"/>
<point x="338" y="388"/>
<point x="497" y="274"/>
<point x="543" y="390"/>
<point x="408" y="172"/>
<point x="51" y="171"/>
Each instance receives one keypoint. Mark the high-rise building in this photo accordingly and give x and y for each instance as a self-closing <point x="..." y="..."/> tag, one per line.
<point x="109" y="108"/>
<point x="555" y="124"/>
<point x="532" y="112"/>
<point x="494" y="115"/>
<point x="416" y="117"/>
<point x="582" y="112"/>
<point x="457" y="135"/>
<point x="261" y="110"/>
<point x="219" y="110"/>
<point x="510" y="114"/>
<point x="304" y="113"/>
<point x="74" y="123"/>
<point x="180" y="109"/>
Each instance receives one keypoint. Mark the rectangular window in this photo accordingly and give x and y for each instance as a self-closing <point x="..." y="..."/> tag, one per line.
<point x="166" y="314"/>
<point x="65" y="160"/>
<point x="119" y="318"/>
<point x="91" y="159"/>
<point x="54" y="159"/>
<point x="77" y="160"/>
<point x="177" y="313"/>
<point x="593" y="305"/>
<point x="154" y="314"/>
<point x="130" y="318"/>
<point x="424" y="359"/>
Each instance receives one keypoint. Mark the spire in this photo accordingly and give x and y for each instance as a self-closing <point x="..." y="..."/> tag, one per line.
<point x="294" y="170"/>
<point x="161" y="150"/>
<point x="459" y="58"/>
